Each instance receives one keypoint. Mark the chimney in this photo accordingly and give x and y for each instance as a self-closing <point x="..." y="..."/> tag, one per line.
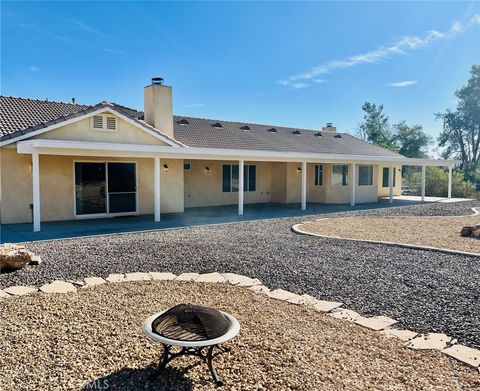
<point x="158" y="106"/>
<point x="329" y="128"/>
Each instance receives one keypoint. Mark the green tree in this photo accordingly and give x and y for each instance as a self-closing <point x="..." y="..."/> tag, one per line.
<point x="461" y="128"/>
<point x="410" y="141"/>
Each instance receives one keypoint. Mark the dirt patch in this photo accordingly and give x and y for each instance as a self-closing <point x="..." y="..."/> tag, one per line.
<point x="94" y="337"/>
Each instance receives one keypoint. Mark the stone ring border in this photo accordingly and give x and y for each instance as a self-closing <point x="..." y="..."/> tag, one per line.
<point x="296" y="228"/>
<point x="380" y="324"/>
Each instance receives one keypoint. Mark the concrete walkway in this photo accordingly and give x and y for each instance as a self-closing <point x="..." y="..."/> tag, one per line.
<point x="14" y="233"/>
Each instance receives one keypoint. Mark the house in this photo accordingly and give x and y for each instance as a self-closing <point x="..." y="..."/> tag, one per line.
<point x="65" y="161"/>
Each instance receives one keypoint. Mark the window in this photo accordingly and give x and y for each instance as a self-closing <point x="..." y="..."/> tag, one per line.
<point x="385" y="177"/>
<point x="318" y="175"/>
<point x="103" y="123"/>
<point x="340" y="175"/>
<point x="365" y="175"/>
<point x="187" y="166"/>
<point x="230" y="180"/>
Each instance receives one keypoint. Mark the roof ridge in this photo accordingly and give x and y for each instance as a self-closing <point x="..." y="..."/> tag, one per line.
<point x="44" y="100"/>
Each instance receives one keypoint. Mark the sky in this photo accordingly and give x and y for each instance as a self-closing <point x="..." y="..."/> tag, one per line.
<point x="282" y="63"/>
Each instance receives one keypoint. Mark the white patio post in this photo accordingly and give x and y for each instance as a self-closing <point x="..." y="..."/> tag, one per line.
<point x="353" y="184"/>
<point x="390" y="184"/>
<point x="450" y="181"/>
<point x="304" y="185"/>
<point x="36" y="191"/>
<point x="241" y="169"/>
<point x="156" y="188"/>
<point x="424" y="170"/>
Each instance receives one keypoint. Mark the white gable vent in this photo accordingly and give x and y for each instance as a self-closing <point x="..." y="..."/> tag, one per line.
<point x="104" y="123"/>
<point x="97" y="122"/>
<point x="111" y="123"/>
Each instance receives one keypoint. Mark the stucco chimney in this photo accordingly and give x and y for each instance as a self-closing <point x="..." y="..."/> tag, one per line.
<point x="329" y="128"/>
<point x="158" y="106"/>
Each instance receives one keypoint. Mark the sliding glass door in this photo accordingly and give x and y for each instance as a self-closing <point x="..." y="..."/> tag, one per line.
<point x="105" y="188"/>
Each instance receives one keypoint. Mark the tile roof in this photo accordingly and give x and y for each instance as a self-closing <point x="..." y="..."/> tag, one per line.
<point x="213" y="133"/>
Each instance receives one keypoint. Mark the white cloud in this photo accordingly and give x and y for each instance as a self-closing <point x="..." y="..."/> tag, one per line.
<point x="34" y="68"/>
<point x="320" y="81"/>
<point x="114" y="51"/>
<point x="406" y="83"/>
<point x="85" y="27"/>
<point x="194" y="105"/>
<point x="402" y="46"/>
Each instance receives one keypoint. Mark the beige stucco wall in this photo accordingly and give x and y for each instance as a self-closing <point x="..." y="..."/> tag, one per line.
<point x="397" y="189"/>
<point x="202" y="189"/>
<point x="57" y="189"/>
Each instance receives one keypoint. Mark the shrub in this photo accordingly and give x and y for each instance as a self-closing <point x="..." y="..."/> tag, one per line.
<point x="436" y="183"/>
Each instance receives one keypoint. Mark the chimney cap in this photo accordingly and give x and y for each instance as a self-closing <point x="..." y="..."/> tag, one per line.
<point x="157" y="80"/>
<point x="329" y="125"/>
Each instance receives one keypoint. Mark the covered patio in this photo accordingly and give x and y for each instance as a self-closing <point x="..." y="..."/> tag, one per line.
<point x="14" y="233"/>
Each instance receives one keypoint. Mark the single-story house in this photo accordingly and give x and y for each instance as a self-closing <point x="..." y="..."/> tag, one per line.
<point x="65" y="161"/>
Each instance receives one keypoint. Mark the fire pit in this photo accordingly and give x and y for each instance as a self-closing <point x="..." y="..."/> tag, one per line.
<point x="197" y="330"/>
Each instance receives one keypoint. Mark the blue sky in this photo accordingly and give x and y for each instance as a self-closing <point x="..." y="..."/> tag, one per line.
<point x="297" y="64"/>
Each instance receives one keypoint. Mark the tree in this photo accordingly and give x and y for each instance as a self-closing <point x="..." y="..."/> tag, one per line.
<point x="461" y="128"/>
<point x="409" y="141"/>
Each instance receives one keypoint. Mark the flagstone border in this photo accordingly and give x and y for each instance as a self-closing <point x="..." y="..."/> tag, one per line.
<point x="296" y="228"/>
<point x="380" y="324"/>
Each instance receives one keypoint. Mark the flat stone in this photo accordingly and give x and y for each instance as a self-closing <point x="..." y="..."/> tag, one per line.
<point x="115" y="278"/>
<point x="93" y="281"/>
<point x="404" y="335"/>
<point x="345" y="314"/>
<point x="303" y="299"/>
<point x="137" y="277"/>
<point x="211" y="277"/>
<point x="326" y="306"/>
<point x="281" y="294"/>
<point x="376" y="323"/>
<point x="76" y="283"/>
<point x="432" y="341"/>
<point x="19" y="290"/>
<point x="239" y="280"/>
<point x="58" y="287"/>
<point x="187" y="277"/>
<point x="4" y="295"/>
<point x="162" y="276"/>
<point x="259" y="289"/>
<point x="464" y="354"/>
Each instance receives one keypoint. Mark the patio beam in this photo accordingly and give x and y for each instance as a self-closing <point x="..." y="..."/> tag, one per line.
<point x="241" y="184"/>
<point x="353" y="184"/>
<point x="304" y="185"/>
<point x="390" y="184"/>
<point x="156" y="188"/>
<point x="450" y="181"/>
<point x="36" y="191"/>
<point x="424" y="171"/>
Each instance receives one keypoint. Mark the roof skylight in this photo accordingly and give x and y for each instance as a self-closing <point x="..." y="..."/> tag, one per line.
<point x="183" y="121"/>
<point x="217" y="125"/>
<point x="296" y="132"/>
<point x="272" y="130"/>
<point x="245" y="127"/>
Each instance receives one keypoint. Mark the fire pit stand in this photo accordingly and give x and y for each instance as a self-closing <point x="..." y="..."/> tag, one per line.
<point x="201" y="348"/>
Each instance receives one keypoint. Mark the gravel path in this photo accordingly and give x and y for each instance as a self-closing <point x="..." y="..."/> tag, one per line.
<point x="426" y="291"/>
<point x="75" y="341"/>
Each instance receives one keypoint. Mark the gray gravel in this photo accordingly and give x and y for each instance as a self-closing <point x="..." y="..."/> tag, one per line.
<point x="425" y="290"/>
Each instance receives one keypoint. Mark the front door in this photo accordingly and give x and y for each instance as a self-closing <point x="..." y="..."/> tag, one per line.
<point x="105" y="188"/>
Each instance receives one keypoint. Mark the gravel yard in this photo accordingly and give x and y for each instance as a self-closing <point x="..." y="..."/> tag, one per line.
<point x="426" y="291"/>
<point x="93" y="340"/>
<point x="441" y="232"/>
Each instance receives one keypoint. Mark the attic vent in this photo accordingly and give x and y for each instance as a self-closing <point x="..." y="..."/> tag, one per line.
<point x="97" y="122"/>
<point x="245" y="127"/>
<point x="111" y="123"/>
<point x="338" y="136"/>
<point x="272" y="130"/>
<point x="296" y="132"/>
<point x="217" y="125"/>
<point x="183" y="122"/>
<point x="319" y="134"/>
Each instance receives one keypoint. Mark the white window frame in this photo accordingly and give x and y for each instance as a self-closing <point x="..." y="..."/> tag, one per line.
<point x="104" y="124"/>
<point x="347" y="177"/>
<point x="104" y="215"/>
<point x="370" y="167"/>
<point x="316" y="178"/>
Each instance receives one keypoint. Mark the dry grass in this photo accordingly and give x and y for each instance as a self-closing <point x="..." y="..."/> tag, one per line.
<point x="441" y="232"/>
<point x="61" y="341"/>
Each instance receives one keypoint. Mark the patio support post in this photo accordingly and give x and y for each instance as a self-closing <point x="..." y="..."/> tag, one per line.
<point x="36" y="191"/>
<point x="390" y="184"/>
<point x="424" y="170"/>
<point x="156" y="188"/>
<point x="304" y="185"/>
<point x="353" y="185"/>
<point x="241" y="169"/>
<point x="450" y="181"/>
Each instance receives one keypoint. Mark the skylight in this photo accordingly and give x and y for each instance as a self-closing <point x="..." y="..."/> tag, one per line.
<point x="245" y="127"/>
<point x="319" y="134"/>
<point x="217" y="125"/>
<point x="272" y="130"/>
<point x="296" y="132"/>
<point x="183" y="122"/>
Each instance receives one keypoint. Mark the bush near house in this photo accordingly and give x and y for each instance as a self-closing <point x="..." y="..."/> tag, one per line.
<point x="436" y="183"/>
